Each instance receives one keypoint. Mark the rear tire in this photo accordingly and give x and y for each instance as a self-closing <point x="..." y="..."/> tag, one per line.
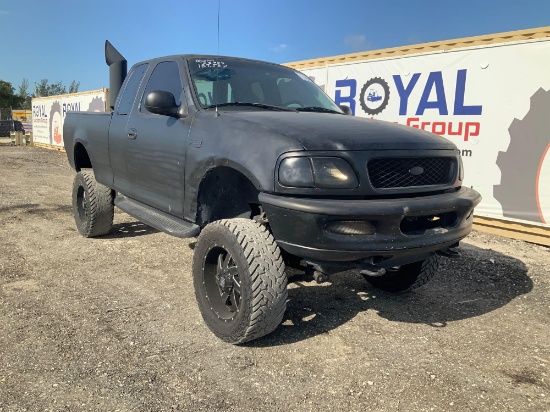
<point x="406" y="277"/>
<point x="93" y="205"/>
<point x="239" y="278"/>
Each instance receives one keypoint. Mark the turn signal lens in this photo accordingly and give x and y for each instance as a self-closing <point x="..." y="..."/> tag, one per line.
<point x="460" y="168"/>
<point x="296" y="172"/>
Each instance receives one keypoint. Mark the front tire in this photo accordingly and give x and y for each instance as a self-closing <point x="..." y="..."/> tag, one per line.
<point x="239" y="278"/>
<point x="406" y="277"/>
<point x="93" y="205"/>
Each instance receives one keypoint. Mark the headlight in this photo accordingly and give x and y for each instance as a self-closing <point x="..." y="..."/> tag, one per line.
<point x="319" y="172"/>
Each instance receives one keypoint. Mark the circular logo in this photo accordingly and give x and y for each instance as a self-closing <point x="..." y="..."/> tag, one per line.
<point x="375" y="96"/>
<point x="56" y="124"/>
<point x="416" y="171"/>
<point x="525" y="195"/>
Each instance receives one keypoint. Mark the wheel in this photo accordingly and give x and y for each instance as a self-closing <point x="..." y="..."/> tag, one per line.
<point x="93" y="205"/>
<point x="406" y="277"/>
<point x="239" y="278"/>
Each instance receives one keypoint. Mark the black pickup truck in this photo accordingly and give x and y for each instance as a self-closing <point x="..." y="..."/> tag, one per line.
<point x="267" y="171"/>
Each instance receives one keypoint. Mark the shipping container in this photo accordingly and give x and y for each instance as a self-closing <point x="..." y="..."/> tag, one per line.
<point x="48" y="113"/>
<point x="490" y="95"/>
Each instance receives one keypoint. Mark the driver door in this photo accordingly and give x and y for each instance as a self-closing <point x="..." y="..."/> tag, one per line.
<point x="156" y="145"/>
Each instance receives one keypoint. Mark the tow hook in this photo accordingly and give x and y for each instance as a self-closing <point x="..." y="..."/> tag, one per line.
<point x="449" y="253"/>
<point x="320" y="273"/>
<point x="320" y="277"/>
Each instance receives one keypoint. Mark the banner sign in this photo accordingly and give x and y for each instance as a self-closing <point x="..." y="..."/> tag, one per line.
<point x="48" y="113"/>
<point x="21" y="115"/>
<point x="492" y="101"/>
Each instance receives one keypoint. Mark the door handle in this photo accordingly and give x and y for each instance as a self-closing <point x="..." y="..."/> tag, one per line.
<point x="132" y="134"/>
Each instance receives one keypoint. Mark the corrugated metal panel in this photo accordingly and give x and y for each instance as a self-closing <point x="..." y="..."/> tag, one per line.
<point x="445" y="45"/>
<point x="88" y="92"/>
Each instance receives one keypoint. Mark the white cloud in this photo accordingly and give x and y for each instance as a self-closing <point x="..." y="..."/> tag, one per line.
<point x="2" y="12"/>
<point x="356" y="42"/>
<point x="279" y="48"/>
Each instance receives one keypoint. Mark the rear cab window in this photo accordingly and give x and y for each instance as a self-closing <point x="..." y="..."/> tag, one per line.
<point x="128" y="96"/>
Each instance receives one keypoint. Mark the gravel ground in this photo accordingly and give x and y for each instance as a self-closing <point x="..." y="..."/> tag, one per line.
<point x="112" y="324"/>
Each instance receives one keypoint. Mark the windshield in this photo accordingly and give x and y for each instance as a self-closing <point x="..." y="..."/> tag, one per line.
<point x="226" y="81"/>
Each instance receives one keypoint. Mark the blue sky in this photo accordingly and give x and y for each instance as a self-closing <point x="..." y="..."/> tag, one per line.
<point x="64" y="40"/>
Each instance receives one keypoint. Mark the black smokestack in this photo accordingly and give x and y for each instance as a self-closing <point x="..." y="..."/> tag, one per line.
<point x="118" y="68"/>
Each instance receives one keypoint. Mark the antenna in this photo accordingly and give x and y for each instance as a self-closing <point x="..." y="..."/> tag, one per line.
<point x="218" y="58"/>
<point x="219" y="1"/>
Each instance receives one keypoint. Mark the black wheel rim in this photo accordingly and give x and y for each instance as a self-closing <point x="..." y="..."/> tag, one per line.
<point x="222" y="283"/>
<point x="82" y="204"/>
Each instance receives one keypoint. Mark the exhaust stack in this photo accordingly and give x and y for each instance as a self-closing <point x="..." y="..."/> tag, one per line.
<point x="118" y="68"/>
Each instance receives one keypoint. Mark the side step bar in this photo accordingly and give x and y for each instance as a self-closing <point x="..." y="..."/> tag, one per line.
<point x="157" y="219"/>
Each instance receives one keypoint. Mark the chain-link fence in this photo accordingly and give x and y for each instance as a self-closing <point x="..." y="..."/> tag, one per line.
<point x="5" y="114"/>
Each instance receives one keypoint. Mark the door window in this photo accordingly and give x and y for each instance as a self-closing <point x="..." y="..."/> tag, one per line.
<point x="166" y="77"/>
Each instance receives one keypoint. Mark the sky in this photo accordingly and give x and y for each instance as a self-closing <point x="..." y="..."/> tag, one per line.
<point x="64" y="40"/>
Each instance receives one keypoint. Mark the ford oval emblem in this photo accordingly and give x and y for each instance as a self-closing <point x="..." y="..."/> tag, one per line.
<point x="416" y="171"/>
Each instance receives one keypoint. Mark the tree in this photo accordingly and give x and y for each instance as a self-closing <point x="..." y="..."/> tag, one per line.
<point x="42" y="88"/>
<point x="8" y="98"/>
<point x="24" y="95"/>
<point x="73" y="88"/>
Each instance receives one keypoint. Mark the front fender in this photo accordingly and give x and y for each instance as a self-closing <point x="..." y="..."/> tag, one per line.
<point x="202" y="169"/>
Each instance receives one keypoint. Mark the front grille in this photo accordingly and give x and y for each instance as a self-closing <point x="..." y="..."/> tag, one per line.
<point x="389" y="173"/>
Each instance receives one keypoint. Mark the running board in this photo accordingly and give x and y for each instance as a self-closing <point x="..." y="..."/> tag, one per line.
<point x="157" y="219"/>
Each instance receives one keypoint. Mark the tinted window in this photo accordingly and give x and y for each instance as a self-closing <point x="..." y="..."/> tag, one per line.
<point x="130" y="91"/>
<point x="227" y="80"/>
<point x="166" y="77"/>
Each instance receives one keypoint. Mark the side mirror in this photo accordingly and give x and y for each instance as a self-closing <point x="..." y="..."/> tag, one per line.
<point x="163" y="103"/>
<point x="345" y="109"/>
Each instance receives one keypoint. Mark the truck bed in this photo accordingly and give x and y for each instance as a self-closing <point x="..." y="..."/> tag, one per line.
<point x="92" y="131"/>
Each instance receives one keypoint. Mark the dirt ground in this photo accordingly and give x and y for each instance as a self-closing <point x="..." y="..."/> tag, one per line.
<point x="112" y="324"/>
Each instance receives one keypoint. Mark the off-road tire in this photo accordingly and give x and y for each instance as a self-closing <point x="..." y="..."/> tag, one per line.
<point x="262" y="281"/>
<point x="93" y="205"/>
<point x="407" y="277"/>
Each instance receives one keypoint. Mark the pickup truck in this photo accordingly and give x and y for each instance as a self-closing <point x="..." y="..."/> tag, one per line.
<point x="267" y="171"/>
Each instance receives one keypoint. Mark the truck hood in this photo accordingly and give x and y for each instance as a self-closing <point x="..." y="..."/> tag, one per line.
<point x="325" y="131"/>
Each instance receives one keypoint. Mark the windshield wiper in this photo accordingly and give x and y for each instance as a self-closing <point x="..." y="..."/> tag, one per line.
<point x="316" y="109"/>
<point x="259" y="105"/>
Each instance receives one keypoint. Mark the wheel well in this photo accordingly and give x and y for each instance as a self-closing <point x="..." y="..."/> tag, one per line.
<point x="225" y="193"/>
<point x="81" y="158"/>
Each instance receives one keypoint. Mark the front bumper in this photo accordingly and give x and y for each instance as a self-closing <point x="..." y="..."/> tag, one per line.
<point x="299" y="226"/>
